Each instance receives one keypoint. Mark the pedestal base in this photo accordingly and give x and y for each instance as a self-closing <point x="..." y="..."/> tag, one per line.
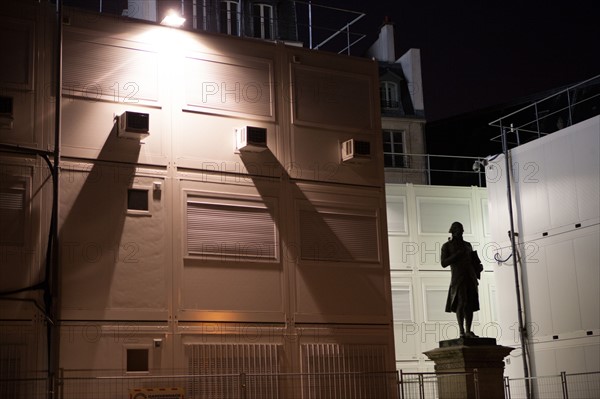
<point x="480" y="362"/>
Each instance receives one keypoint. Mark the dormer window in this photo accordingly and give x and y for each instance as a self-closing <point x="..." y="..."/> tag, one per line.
<point x="263" y="20"/>
<point x="389" y="95"/>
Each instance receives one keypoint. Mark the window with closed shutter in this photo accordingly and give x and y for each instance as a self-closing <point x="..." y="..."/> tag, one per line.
<point x="13" y="215"/>
<point x="238" y="230"/>
<point x="330" y="235"/>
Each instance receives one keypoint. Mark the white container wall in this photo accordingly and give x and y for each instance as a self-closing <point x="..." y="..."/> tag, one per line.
<point x="556" y="209"/>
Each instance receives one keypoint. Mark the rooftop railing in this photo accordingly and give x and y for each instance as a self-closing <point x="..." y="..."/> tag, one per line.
<point x="550" y="114"/>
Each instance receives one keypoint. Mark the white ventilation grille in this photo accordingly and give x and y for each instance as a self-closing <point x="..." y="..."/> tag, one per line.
<point x="338" y="236"/>
<point x="17" y="42"/>
<point x="112" y="72"/>
<point x="218" y="369"/>
<point x="233" y="86"/>
<point x="345" y="371"/>
<point x="231" y="231"/>
<point x="334" y="99"/>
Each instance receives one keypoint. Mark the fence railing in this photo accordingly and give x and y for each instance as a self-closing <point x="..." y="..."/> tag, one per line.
<point x="550" y="114"/>
<point x="442" y="169"/>
<point x="434" y="385"/>
<point x="382" y="385"/>
<point x="562" y="386"/>
<point x="32" y="387"/>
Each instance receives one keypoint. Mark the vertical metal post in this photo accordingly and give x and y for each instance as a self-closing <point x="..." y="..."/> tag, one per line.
<point x="401" y="383"/>
<point x="310" y="40"/>
<point x="563" y="381"/>
<point x="421" y="387"/>
<point x="51" y="295"/>
<point x="61" y="380"/>
<point x="507" y="388"/>
<point x="428" y="170"/>
<point x="243" y="385"/>
<point x="511" y="233"/>
<point x="476" y="383"/>
<point x="348" y="37"/>
<point x="570" y="122"/>
<point x="537" y="118"/>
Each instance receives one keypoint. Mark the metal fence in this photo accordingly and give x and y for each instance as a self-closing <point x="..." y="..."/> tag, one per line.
<point x="233" y="386"/>
<point x="435" y="385"/>
<point x="425" y="385"/>
<point x="440" y="169"/>
<point x="550" y="114"/>
<point x="32" y="387"/>
<point x="562" y="386"/>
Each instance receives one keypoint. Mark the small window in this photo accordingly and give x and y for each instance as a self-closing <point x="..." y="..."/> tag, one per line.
<point x="389" y="95"/>
<point x="137" y="360"/>
<point x="13" y="206"/>
<point x="263" y="21"/>
<point x="6" y="112"/>
<point x="393" y="149"/>
<point x="138" y="201"/>
<point x="6" y="106"/>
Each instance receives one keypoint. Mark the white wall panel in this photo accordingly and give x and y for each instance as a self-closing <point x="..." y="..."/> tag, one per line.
<point x="562" y="284"/>
<point x="586" y="165"/>
<point x="587" y="272"/>
<point x="24" y="118"/>
<point x="118" y="267"/>
<point x="98" y="68"/>
<point x="320" y="294"/>
<point x="18" y="42"/>
<point x="24" y="224"/>
<point x="531" y="191"/>
<point x="539" y="293"/>
<point x="436" y="215"/>
<point x="229" y="281"/>
<point x="559" y="165"/>
<point x="323" y="97"/>
<point x="227" y="85"/>
<point x="90" y="131"/>
<point x="396" y="215"/>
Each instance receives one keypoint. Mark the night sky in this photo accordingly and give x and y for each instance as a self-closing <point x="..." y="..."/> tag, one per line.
<point x="479" y="54"/>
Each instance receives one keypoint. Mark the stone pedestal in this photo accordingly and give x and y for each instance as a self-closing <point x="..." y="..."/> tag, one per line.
<point x="470" y="355"/>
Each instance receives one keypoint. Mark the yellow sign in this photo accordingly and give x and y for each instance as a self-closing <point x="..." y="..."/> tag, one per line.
<point x="156" y="393"/>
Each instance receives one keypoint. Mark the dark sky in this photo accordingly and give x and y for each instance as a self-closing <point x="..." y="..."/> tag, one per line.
<point x="478" y="54"/>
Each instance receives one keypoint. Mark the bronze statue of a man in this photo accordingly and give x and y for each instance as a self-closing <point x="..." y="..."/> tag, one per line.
<point x="463" y="298"/>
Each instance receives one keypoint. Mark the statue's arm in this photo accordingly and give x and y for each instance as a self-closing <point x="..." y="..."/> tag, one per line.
<point x="446" y="257"/>
<point x="449" y="258"/>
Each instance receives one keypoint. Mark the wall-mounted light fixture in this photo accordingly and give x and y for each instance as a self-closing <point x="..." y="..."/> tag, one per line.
<point x="173" y="20"/>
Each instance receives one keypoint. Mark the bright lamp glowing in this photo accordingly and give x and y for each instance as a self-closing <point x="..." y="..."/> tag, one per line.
<point x="173" y="20"/>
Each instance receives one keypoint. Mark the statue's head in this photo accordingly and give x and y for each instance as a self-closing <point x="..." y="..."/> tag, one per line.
<point x="456" y="229"/>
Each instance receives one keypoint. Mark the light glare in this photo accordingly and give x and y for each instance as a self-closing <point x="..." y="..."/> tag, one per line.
<point x="173" y="20"/>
